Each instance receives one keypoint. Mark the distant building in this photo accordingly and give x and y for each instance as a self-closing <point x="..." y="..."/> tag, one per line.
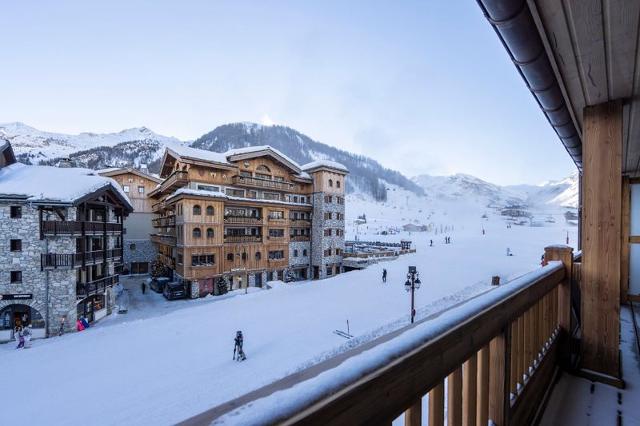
<point x="60" y="245"/>
<point x="139" y="251"/>
<point x="411" y="227"/>
<point x="247" y="216"/>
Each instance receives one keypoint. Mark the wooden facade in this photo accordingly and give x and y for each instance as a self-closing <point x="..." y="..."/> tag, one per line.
<point x="137" y="185"/>
<point x="237" y="218"/>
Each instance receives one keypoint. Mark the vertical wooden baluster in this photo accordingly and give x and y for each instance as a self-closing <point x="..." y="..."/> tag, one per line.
<point x="482" y="416"/>
<point x="469" y="391"/>
<point x="499" y="360"/>
<point x="436" y="405"/>
<point x="521" y="350"/>
<point x="454" y="398"/>
<point x="513" y="377"/>
<point x="527" y="342"/>
<point x="413" y="415"/>
<point x="536" y="332"/>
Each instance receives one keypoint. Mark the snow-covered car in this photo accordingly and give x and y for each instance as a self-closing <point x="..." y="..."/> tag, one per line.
<point x="174" y="291"/>
<point x="157" y="284"/>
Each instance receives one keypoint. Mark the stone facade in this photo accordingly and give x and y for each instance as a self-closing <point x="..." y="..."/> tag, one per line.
<point x="319" y="241"/>
<point x="60" y="284"/>
<point x="300" y="261"/>
<point x="53" y="290"/>
<point x="142" y="251"/>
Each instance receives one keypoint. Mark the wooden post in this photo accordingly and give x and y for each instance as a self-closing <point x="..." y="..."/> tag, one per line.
<point x="499" y="359"/>
<point x="469" y="391"/>
<point x="565" y="255"/>
<point x="436" y="405"/>
<point x="413" y="415"/>
<point x="624" y="242"/>
<point x="482" y="415"/>
<point x="513" y="377"/>
<point x="528" y="345"/>
<point x="601" y="233"/>
<point x="454" y="398"/>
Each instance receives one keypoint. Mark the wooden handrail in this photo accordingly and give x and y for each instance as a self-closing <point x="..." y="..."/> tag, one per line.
<point x="511" y="332"/>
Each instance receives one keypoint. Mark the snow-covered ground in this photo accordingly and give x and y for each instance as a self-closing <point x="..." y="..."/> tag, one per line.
<point x="166" y="361"/>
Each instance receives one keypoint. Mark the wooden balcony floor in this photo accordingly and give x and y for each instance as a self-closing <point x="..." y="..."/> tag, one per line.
<point x="577" y="401"/>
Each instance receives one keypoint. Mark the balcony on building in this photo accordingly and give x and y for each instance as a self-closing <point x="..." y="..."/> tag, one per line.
<point x="164" y="221"/>
<point x="176" y="180"/>
<point x="263" y="183"/>
<point x="97" y="286"/>
<point x="76" y="260"/>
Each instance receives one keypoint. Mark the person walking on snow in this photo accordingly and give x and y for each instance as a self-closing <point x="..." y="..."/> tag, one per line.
<point x="27" y="337"/>
<point x="384" y="275"/>
<point x="19" y="337"/>
<point x="144" y="287"/>
<point x="238" y="353"/>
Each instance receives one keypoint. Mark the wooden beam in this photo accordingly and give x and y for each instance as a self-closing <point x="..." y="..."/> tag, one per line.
<point x="600" y="284"/>
<point x="624" y="242"/>
<point x="565" y="255"/>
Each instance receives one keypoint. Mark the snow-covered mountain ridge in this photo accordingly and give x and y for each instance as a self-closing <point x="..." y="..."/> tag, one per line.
<point x="562" y="193"/>
<point x="132" y="147"/>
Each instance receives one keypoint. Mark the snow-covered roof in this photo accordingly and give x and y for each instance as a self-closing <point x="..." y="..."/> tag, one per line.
<point x="325" y="163"/>
<point x="114" y="171"/>
<point x="53" y="184"/>
<point x="200" y="154"/>
<point x="227" y="157"/>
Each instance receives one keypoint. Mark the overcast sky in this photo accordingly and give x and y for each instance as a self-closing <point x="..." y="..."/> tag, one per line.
<point x="422" y="87"/>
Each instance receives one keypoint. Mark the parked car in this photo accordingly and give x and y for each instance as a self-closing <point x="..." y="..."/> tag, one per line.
<point x="174" y="291"/>
<point x="158" y="284"/>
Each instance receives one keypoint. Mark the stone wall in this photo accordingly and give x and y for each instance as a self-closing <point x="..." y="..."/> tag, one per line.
<point x="59" y="283"/>
<point x="318" y="240"/>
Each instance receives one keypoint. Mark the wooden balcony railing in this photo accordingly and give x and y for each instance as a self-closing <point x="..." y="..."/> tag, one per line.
<point x="163" y="239"/>
<point x="175" y="180"/>
<point x="277" y="220"/>
<point x="299" y="223"/>
<point x="97" y="286"/>
<point x="244" y="220"/>
<point x="242" y="238"/>
<point x="74" y="260"/>
<point x="263" y="183"/>
<point x="52" y="227"/>
<point x="276" y="237"/>
<point x="497" y="353"/>
<point x="164" y="222"/>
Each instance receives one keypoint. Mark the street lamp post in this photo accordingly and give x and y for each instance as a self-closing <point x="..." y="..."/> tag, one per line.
<point x="412" y="284"/>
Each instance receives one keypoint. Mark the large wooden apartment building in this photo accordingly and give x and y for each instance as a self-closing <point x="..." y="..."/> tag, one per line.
<point x="247" y="216"/>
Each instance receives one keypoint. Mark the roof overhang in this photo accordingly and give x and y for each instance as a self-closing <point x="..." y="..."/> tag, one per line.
<point x="122" y="171"/>
<point x="572" y="55"/>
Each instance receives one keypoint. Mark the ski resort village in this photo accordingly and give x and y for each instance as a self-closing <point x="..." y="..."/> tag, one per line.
<point x="431" y="216"/>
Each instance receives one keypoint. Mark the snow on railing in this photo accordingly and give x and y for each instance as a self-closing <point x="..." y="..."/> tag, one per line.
<point x="441" y="345"/>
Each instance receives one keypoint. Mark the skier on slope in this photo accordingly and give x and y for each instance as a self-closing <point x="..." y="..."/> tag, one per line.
<point x="238" y="353"/>
<point x="384" y="275"/>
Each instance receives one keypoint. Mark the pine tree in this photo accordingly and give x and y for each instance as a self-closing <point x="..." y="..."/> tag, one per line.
<point x="221" y="286"/>
<point x="158" y="269"/>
